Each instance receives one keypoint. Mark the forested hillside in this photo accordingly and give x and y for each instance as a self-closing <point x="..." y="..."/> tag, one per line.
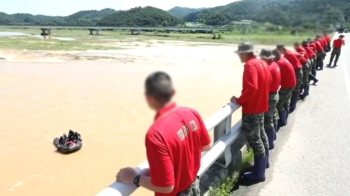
<point x="82" y="18"/>
<point x="292" y="13"/>
<point x="147" y="16"/>
<point x="181" y="12"/>
<point x="281" y="12"/>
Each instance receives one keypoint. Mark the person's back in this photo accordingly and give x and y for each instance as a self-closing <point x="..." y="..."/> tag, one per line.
<point x="288" y="79"/>
<point x="276" y="77"/>
<point x="174" y="143"/>
<point x="293" y="59"/>
<point x="180" y="133"/>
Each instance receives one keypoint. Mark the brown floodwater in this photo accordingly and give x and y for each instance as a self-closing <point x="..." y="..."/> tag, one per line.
<point x="102" y="101"/>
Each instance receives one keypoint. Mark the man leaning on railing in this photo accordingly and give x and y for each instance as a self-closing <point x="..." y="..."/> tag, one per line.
<point x="254" y="101"/>
<point x="174" y="144"/>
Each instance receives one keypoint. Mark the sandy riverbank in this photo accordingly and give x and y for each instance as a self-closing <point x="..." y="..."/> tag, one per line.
<point x="43" y="94"/>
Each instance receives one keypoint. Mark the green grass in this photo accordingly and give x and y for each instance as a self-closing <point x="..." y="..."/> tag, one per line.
<point x="226" y="185"/>
<point x="105" y="40"/>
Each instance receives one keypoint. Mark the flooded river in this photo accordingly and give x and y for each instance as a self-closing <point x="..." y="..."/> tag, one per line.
<point x="102" y="101"/>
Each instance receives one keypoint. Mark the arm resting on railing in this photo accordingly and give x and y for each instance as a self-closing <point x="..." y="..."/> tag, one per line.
<point x="145" y="182"/>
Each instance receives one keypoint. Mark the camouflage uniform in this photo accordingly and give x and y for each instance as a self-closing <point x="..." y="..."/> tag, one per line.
<point x="193" y="190"/>
<point x="335" y="53"/>
<point x="253" y="128"/>
<point x="270" y="116"/>
<point x="313" y="67"/>
<point x="299" y="78"/>
<point x="284" y="96"/>
<point x="306" y="71"/>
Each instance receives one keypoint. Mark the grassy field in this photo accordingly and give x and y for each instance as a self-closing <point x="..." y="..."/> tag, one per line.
<point x="84" y="41"/>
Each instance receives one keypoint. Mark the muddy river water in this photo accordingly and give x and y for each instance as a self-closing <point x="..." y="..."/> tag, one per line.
<point x="104" y="102"/>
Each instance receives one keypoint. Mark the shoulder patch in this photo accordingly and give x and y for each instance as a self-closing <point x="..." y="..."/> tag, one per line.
<point x="193" y="125"/>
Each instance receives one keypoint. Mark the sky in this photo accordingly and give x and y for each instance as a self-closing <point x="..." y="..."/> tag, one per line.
<point x="67" y="7"/>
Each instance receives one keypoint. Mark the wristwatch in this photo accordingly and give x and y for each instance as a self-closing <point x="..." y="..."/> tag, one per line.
<point x="137" y="180"/>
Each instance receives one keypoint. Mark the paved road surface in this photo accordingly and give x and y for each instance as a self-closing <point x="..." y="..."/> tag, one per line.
<point x="312" y="155"/>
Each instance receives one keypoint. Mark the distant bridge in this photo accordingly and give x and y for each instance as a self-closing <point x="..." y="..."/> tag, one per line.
<point x="46" y="30"/>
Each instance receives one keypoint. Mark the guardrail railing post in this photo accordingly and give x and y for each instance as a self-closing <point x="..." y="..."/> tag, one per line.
<point x="220" y="130"/>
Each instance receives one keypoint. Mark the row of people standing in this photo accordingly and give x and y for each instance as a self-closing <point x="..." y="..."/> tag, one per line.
<point x="272" y="86"/>
<point x="178" y="136"/>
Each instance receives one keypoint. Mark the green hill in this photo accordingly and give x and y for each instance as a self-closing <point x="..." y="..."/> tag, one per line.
<point x="307" y="13"/>
<point x="181" y="12"/>
<point x="147" y="16"/>
<point x="82" y="18"/>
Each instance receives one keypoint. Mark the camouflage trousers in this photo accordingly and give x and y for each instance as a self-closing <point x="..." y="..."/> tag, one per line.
<point x="270" y="116"/>
<point x="313" y="66"/>
<point x="193" y="190"/>
<point x="253" y="128"/>
<point x="306" y="71"/>
<point x="299" y="78"/>
<point x="284" y="96"/>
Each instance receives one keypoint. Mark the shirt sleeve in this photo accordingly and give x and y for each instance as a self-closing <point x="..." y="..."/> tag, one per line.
<point x="204" y="135"/>
<point x="160" y="164"/>
<point x="250" y="84"/>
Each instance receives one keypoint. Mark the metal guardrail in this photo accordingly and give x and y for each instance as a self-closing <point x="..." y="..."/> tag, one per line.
<point x="224" y="136"/>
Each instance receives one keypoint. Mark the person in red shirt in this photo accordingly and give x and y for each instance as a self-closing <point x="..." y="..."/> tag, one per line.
<point x="337" y="45"/>
<point x="294" y="60"/>
<point x="270" y="115"/>
<point x="313" y="48"/>
<point x="288" y="83"/>
<point x="303" y="58"/>
<point x="174" y="144"/>
<point x="320" y="54"/>
<point x="328" y="42"/>
<point x="254" y="101"/>
<point x="310" y="55"/>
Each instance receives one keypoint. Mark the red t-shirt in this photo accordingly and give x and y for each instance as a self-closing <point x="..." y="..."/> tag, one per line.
<point x="174" y="145"/>
<point x="318" y="46"/>
<point x="313" y="47"/>
<point x="301" y="51"/>
<point x="325" y="43"/>
<point x="338" y="43"/>
<point x="256" y="87"/>
<point x="293" y="59"/>
<point x="276" y="77"/>
<point x="309" y="52"/>
<point x="326" y="37"/>
<point x="288" y="79"/>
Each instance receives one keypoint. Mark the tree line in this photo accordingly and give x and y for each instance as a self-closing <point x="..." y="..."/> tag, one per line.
<point x="287" y="13"/>
<point x="293" y="13"/>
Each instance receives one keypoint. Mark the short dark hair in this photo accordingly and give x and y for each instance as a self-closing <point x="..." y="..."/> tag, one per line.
<point x="276" y="53"/>
<point x="296" y="43"/>
<point x="159" y="86"/>
<point x="280" y="46"/>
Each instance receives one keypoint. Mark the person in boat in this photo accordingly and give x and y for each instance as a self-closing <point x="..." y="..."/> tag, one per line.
<point x="174" y="144"/>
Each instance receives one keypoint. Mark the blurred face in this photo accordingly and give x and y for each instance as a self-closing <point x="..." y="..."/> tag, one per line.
<point x="341" y="37"/>
<point x="295" y="46"/>
<point x="152" y="103"/>
<point x="281" y="50"/>
<point x="243" y="57"/>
